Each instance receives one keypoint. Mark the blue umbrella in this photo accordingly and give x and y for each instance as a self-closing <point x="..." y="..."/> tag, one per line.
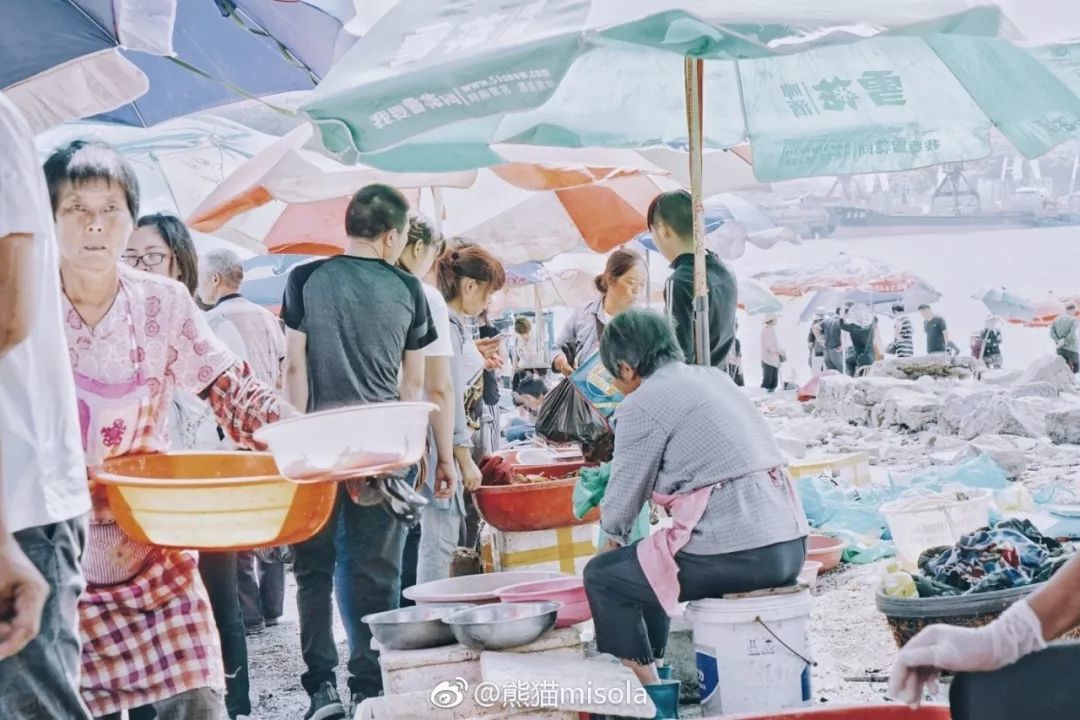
<point x="55" y="59"/>
<point x="1008" y="305"/>
<point x="227" y="50"/>
<point x="265" y="277"/>
<point x="722" y="209"/>
<point x="911" y="298"/>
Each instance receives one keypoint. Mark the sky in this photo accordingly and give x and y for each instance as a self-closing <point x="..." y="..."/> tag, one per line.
<point x="1044" y="21"/>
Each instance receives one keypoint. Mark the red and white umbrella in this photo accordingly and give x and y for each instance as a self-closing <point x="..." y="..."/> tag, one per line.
<point x="532" y="208"/>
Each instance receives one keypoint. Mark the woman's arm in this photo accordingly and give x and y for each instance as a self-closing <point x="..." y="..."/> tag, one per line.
<point x="439" y="388"/>
<point x="296" y="372"/>
<point x="567" y="339"/>
<point x="639" y="450"/>
<point x="242" y="404"/>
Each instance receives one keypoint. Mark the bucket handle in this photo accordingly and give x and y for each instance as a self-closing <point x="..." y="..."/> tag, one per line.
<point x="790" y="649"/>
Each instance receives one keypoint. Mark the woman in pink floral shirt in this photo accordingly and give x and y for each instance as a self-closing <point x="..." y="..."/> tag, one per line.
<point x="133" y="338"/>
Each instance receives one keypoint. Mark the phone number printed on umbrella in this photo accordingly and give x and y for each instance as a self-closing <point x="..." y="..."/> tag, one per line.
<point x="495" y="86"/>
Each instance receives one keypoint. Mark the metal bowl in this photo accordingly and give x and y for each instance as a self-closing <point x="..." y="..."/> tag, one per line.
<point x="413" y="628"/>
<point x="503" y="625"/>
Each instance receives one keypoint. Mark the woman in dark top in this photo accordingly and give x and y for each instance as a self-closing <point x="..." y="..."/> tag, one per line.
<point x="862" y="343"/>
<point x="990" y="344"/>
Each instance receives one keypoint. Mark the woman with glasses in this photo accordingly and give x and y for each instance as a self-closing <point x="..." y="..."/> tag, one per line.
<point x="162" y="245"/>
<point x="134" y="340"/>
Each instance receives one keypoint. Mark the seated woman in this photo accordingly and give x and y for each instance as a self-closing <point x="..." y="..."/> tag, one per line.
<point x="689" y="439"/>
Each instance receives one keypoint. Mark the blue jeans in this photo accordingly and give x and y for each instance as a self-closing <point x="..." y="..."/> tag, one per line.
<point x="42" y="681"/>
<point x="368" y="580"/>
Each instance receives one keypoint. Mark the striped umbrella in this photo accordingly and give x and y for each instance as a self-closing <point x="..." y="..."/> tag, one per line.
<point x="293" y="201"/>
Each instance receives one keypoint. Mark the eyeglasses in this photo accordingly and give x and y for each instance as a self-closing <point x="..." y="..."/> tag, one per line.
<point x="148" y="260"/>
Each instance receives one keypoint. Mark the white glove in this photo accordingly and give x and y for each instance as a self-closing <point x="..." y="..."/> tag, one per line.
<point x="1018" y="632"/>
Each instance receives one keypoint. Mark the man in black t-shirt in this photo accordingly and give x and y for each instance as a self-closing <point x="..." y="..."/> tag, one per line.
<point x="937" y="332"/>
<point x="356" y="326"/>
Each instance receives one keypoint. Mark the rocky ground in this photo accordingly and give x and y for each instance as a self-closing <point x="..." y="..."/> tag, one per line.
<point x="852" y="649"/>
<point x="907" y="418"/>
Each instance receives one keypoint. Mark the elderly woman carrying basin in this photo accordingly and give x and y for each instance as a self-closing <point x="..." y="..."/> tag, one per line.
<point x="689" y="439"/>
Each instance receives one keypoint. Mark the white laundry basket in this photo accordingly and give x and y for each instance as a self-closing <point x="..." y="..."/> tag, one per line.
<point x="917" y="526"/>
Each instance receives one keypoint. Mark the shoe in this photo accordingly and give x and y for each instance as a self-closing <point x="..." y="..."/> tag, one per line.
<point x="325" y="704"/>
<point x="665" y="697"/>
<point x="272" y="622"/>
<point x="251" y="630"/>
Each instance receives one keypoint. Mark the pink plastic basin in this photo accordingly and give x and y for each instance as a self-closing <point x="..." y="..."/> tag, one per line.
<point x="569" y="591"/>
<point x="863" y="712"/>
<point x="825" y="550"/>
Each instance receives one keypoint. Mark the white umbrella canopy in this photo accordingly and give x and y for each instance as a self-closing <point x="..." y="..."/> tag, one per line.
<point x="177" y="163"/>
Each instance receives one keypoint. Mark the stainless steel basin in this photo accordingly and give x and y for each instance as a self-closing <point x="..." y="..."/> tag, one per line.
<point x="503" y="625"/>
<point x="413" y="628"/>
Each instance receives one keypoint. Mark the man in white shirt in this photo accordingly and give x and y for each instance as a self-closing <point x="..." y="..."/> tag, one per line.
<point x="44" y="496"/>
<point x="255" y="336"/>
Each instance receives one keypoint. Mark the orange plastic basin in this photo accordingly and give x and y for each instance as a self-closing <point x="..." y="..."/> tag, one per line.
<point x="864" y="712"/>
<point x="533" y="506"/>
<point x="213" y="501"/>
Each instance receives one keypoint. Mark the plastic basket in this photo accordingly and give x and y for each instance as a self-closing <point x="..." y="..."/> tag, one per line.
<point x="917" y="529"/>
<point x="907" y="616"/>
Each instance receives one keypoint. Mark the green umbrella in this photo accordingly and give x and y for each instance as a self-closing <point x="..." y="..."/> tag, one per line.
<point x="839" y="87"/>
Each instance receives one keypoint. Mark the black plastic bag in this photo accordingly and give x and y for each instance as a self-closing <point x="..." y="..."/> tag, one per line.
<point x="566" y="416"/>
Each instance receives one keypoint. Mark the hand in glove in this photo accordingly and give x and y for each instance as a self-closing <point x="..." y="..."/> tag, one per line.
<point x="1015" y="634"/>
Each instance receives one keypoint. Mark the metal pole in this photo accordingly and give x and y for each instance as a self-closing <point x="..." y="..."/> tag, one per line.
<point x="694" y="71"/>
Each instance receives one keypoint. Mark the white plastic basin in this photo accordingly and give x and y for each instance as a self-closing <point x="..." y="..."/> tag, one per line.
<point x="349" y="442"/>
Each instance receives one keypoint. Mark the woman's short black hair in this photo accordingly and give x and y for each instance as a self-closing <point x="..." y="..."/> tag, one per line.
<point x="83" y="161"/>
<point x="676" y="209"/>
<point x="642" y="339"/>
<point x="375" y="210"/>
<point x="175" y="234"/>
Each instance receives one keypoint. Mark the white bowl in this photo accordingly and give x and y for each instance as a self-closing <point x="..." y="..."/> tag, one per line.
<point x="349" y="442"/>
<point x="535" y="456"/>
<point x="474" y="588"/>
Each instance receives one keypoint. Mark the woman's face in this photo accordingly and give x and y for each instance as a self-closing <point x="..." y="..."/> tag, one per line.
<point x="628" y="380"/>
<point x="93" y="223"/>
<point x="475" y="296"/>
<point x="627" y="290"/>
<point x="147" y="250"/>
<point x="419" y="259"/>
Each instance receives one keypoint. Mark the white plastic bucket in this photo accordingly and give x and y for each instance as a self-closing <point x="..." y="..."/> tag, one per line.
<point x="753" y="654"/>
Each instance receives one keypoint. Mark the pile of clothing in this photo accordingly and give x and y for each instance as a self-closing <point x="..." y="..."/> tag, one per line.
<point x="1011" y="554"/>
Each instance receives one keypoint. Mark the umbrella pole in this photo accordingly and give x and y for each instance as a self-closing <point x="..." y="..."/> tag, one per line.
<point x="694" y="70"/>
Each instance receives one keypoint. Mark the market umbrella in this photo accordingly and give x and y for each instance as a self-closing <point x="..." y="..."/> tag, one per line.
<point x="60" y="59"/>
<point x="177" y="163"/>
<point x="292" y="200"/>
<point x="911" y="297"/>
<point x="1006" y="304"/>
<point x="1049" y="308"/>
<point x="222" y="55"/>
<point x="838" y="88"/>
<point x="756" y="299"/>
<point x="265" y="277"/>
<point x="730" y="223"/>
<point x="844" y="271"/>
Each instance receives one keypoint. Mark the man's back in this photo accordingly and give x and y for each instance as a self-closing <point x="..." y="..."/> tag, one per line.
<point x="723" y="300"/>
<point x="259" y="332"/>
<point x="832" y="327"/>
<point x="360" y="315"/>
<point x="935" y="335"/>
